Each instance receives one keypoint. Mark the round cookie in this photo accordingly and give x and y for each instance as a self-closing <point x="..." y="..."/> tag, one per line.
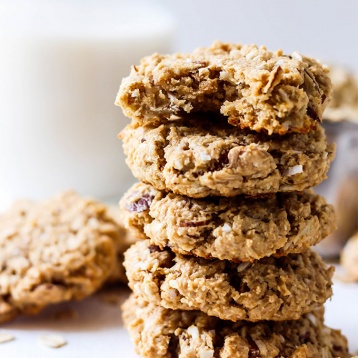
<point x="211" y="159"/>
<point x="158" y="332"/>
<point x="63" y="249"/>
<point x="349" y="258"/>
<point x="250" y="86"/>
<point x="270" y="289"/>
<point x="241" y="229"/>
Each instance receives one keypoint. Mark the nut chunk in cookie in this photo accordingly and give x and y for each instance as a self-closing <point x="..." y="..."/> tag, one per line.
<point x="249" y="85"/>
<point x="63" y="249"/>
<point x="158" y="332"/>
<point x="275" y="289"/>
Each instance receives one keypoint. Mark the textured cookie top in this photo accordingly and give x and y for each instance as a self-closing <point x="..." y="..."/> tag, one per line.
<point x="55" y="251"/>
<point x="252" y="87"/>
<point x="212" y="158"/>
<point x="158" y="332"/>
<point x="236" y="229"/>
<point x="275" y="289"/>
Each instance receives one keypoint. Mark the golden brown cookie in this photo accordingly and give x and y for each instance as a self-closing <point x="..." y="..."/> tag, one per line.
<point x="158" y="332"/>
<point x="212" y="159"/>
<point x="269" y="289"/>
<point x="63" y="249"/>
<point x="249" y="85"/>
<point x="236" y="229"/>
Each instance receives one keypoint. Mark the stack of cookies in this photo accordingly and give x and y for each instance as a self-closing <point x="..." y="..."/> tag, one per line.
<point x="227" y="144"/>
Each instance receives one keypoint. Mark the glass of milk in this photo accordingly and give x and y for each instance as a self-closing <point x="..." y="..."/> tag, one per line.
<point x="61" y="64"/>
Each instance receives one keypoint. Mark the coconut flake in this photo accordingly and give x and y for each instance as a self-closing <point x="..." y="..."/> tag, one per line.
<point x="262" y="347"/>
<point x="280" y="62"/>
<point x="193" y="331"/>
<point x="226" y="228"/>
<point x="173" y="283"/>
<point x="204" y="157"/>
<point x="251" y="55"/>
<point x="135" y="93"/>
<point x="205" y="353"/>
<point x="312" y="318"/>
<point x="294" y="170"/>
<point x="297" y="56"/>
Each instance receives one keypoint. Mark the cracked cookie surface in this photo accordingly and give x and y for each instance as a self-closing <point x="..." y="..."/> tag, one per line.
<point x="158" y="332"/>
<point x="269" y="289"/>
<point x="236" y="229"/>
<point x="59" y="250"/>
<point x="250" y="86"/>
<point x="221" y="160"/>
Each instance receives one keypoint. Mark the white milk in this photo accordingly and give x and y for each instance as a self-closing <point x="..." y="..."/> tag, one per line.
<point x="61" y="63"/>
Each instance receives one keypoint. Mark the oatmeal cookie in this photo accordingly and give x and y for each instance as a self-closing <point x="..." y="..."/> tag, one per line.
<point x="250" y="86"/>
<point x="236" y="229"/>
<point x="269" y="289"/>
<point x="63" y="249"/>
<point x="212" y="159"/>
<point x="158" y="332"/>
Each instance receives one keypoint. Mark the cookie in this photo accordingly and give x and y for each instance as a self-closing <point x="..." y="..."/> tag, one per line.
<point x="212" y="159"/>
<point x="63" y="249"/>
<point x="241" y="229"/>
<point x="270" y="289"/>
<point x="250" y="86"/>
<point x="344" y="102"/>
<point x="349" y="258"/>
<point x="158" y="332"/>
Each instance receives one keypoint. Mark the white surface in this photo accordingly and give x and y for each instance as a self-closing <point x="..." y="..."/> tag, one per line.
<point x="98" y="330"/>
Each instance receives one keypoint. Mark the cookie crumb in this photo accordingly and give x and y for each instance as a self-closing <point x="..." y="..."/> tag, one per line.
<point x="6" y="337"/>
<point x="53" y="341"/>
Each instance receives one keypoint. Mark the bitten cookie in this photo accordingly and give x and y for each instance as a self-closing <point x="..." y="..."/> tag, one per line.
<point x="63" y="249"/>
<point x="270" y="289"/>
<point x="211" y="159"/>
<point x="236" y="229"/>
<point x="158" y="332"/>
<point x="250" y="86"/>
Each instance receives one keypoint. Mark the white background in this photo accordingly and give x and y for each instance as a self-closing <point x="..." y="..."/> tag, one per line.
<point x="326" y="29"/>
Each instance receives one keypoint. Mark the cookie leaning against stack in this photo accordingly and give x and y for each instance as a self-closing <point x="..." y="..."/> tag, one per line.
<point x="226" y="142"/>
<point x="63" y="249"/>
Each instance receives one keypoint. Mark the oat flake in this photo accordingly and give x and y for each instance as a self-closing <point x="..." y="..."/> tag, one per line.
<point x="6" y="337"/>
<point x="53" y="341"/>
